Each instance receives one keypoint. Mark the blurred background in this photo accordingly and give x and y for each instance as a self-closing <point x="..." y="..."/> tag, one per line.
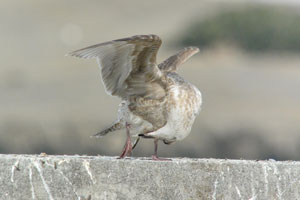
<point x="248" y="71"/>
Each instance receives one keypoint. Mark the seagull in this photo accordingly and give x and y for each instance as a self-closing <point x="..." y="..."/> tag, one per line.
<point x="156" y="102"/>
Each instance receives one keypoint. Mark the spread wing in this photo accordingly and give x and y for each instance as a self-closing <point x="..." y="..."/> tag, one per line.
<point x="128" y="66"/>
<point x="174" y="61"/>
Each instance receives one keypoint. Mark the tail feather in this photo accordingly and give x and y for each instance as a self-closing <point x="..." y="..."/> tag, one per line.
<point x="115" y="126"/>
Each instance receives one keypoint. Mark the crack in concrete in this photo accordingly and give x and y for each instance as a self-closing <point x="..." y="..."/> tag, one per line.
<point x="254" y="194"/>
<point x="264" y="166"/>
<point x="37" y="166"/>
<point x="30" y="181"/>
<point x="275" y="169"/>
<point x="215" y="189"/>
<point x="66" y="178"/>
<point x="86" y="165"/>
<point x="238" y="191"/>
<point x="13" y="169"/>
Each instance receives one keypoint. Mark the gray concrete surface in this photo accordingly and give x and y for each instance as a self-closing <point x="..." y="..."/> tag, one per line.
<point x="86" y="177"/>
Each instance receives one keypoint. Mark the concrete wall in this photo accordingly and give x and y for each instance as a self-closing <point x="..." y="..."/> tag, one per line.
<point x="85" y="177"/>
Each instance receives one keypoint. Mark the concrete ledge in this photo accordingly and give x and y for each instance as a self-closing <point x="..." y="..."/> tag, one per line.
<point x="85" y="177"/>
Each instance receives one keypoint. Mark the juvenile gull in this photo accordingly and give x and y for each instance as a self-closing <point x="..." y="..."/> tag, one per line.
<point x="156" y="102"/>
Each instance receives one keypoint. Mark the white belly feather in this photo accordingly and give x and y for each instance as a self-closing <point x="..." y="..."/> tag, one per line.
<point x="182" y="114"/>
<point x="183" y="107"/>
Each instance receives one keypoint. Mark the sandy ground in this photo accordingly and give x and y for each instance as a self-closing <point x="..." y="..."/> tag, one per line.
<point x="51" y="103"/>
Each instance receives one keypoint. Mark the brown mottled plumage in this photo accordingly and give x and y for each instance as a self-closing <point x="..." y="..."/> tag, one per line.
<point x="156" y="102"/>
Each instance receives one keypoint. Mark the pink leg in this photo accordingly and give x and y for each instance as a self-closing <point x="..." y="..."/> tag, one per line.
<point x="128" y="146"/>
<point x="154" y="156"/>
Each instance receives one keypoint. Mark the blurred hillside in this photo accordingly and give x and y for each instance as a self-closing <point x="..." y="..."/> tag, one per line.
<point x="253" y="28"/>
<point x="52" y="103"/>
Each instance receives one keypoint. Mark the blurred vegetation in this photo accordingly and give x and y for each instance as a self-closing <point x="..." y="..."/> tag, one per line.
<point x="252" y="28"/>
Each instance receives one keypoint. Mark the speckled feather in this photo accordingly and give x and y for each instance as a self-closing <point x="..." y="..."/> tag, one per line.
<point x="156" y="101"/>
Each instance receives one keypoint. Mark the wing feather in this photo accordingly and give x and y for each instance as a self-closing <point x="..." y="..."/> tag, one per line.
<point x="128" y="66"/>
<point x="179" y="58"/>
